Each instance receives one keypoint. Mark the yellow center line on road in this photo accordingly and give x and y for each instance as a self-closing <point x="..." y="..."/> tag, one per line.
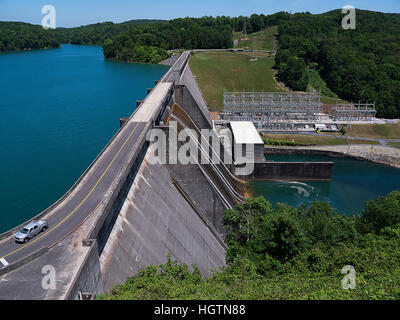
<point x="80" y="204"/>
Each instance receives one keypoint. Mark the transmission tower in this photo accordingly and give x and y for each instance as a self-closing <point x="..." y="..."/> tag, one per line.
<point x="274" y="45"/>
<point x="244" y="29"/>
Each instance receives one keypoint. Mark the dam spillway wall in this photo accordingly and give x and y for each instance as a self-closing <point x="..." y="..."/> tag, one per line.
<point x="189" y="97"/>
<point x="156" y="220"/>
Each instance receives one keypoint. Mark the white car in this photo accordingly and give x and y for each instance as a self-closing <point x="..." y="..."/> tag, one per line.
<point x="30" y="230"/>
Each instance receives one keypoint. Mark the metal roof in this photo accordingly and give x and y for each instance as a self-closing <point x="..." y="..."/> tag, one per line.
<point x="244" y="132"/>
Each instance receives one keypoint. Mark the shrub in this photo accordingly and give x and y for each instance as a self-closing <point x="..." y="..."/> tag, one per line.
<point x="380" y="213"/>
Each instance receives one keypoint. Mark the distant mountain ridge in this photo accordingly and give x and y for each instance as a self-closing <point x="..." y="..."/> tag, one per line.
<point x="134" y="21"/>
<point x="144" y="21"/>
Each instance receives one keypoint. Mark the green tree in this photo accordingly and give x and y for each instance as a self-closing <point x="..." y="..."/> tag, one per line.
<point x="294" y="74"/>
<point x="281" y="237"/>
<point x="380" y="213"/>
<point x="109" y="49"/>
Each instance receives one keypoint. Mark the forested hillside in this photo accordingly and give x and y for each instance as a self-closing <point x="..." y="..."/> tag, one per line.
<point x="96" y="34"/>
<point x="15" y="36"/>
<point x="140" y="43"/>
<point x="284" y="252"/>
<point x="23" y="36"/>
<point x="361" y="64"/>
<point x="149" y="43"/>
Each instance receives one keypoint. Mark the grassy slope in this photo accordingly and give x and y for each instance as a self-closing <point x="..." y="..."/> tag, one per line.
<point x="328" y="100"/>
<point x="219" y="72"/>
<point x="384" y="131"/>
<point x="317" y="83"/>
<point x="263" y="39"/>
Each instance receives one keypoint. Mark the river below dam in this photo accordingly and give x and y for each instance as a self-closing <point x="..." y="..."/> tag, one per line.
<point x="353" y="183"/>
<point x="59" y="108"/>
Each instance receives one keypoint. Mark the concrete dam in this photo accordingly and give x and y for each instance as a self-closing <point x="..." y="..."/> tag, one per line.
<point x="125" y="213"/>
<point x="128" y="211"/>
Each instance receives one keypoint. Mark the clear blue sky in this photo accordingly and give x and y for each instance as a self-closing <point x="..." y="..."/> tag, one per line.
<point x="70" y="13"/>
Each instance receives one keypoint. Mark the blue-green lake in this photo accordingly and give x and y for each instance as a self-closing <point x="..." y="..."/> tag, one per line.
<point x="58" y="109"/>
<point x="353" y="183"/>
